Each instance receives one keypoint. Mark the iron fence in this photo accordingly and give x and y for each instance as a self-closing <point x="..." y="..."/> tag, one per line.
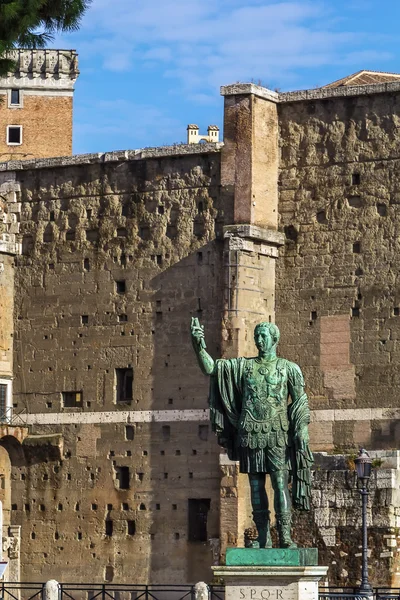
<point x="21" y="591"/>
<point x="109" y="591"/>
<point x="379" y="593"/>
<point x="98" y="591"/>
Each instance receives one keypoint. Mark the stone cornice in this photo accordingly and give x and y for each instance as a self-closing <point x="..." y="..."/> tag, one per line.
<point x="244" y="89"/>
<point x="106" y="157"/>
<point x="255" y="233"/>
<point x="311" y="94"/>
<point x="42" y="69"/>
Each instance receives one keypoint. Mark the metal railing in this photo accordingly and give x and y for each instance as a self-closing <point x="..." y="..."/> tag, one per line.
<point x="21" y="591"/>
<point x="107" y="591"/>
<point x="10" y="416"/>
<point x="378" y="593"/>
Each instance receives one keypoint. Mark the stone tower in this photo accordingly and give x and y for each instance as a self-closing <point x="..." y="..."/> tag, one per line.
<point x="36" y="109"/>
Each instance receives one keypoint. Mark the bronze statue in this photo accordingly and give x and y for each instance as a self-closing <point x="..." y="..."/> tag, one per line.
<point x="250" y="414"/>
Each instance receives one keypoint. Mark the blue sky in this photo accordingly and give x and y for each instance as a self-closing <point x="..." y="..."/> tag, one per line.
<point x="150" y="67"/>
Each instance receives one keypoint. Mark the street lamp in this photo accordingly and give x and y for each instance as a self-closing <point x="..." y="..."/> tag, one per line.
<point x="363" y="467"/>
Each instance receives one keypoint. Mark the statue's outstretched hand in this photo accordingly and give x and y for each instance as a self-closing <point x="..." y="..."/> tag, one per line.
<point x="197" y="332"/>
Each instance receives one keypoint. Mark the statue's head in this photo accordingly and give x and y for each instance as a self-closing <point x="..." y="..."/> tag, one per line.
<point x="266" y="336"/>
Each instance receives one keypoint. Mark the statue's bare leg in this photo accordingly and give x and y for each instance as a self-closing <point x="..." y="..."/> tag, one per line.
<point x="283" y="508"/>
<point x="259" y="502"/>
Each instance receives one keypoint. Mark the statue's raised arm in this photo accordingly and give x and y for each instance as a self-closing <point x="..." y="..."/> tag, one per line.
<point x="205" y="361"/>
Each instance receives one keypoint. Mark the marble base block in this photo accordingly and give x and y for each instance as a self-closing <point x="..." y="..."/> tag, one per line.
<point x="274" y="580"/>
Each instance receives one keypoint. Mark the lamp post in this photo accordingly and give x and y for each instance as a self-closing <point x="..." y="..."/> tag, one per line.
<point x="363" y="466"/>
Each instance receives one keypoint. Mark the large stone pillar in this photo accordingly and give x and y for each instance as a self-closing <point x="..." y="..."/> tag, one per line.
<point x="249" y="179"/>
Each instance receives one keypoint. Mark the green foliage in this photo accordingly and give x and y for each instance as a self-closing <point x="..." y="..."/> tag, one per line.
<point x="32" y="24"/>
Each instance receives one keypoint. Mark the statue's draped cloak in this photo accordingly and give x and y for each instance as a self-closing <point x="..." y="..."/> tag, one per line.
<point x="226" y="396"/>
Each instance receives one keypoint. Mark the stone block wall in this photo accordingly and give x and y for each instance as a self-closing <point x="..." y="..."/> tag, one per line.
<point x="334" y="523"/>
<point x="117" y="254"/>
<point x="337" y="279"/>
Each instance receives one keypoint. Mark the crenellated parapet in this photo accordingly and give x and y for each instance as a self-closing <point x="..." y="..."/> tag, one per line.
<point x="42" y="69"/>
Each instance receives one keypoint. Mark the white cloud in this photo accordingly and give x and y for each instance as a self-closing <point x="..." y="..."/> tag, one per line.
<point x="206" y="43"/>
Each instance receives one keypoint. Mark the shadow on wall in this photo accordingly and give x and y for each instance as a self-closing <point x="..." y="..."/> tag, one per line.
<point x="185" y="482"/>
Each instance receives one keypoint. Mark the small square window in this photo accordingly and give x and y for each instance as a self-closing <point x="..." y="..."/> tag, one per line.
<point x="72" y="399"/>
<point x="121" y="286"/>
<point x="15" y="97"/>
<point x="14" y="134"/>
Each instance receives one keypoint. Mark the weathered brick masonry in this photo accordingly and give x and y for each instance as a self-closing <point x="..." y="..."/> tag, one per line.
<point x="36" y="103"/>
<point x="293" y="219"/>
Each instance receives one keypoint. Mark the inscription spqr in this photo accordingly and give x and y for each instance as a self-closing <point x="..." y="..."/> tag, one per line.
<point x="286" y="592"/>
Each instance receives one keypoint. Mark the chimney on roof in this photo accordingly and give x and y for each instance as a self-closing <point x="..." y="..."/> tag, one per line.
<point x="193" y="136"/>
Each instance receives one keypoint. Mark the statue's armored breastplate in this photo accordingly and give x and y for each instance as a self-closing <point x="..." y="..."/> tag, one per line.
<point x="264" y="418"/>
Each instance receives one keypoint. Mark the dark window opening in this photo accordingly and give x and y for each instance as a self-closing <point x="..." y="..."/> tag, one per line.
<point x="124" y="379"/>
<point x="355" y="202"/>
<point x="14" y="135"/>
<point x="198" y="512"/>
<point x="129" y="433"/>
<point x="84" y="319"/>
<point x="72" y="399"/>
<point x="166" y="432"/>
<point x="396" y="311"/>
<point x="120" y="286"/>
<point x="321" y="217"/>
<point x="357" y="247"/>
<point x="108" y="527"/>
<point x="144" y="232"/>
<point x="3" y="402"/>
<point x="89" y="213"/>
<point x="52" y="217"/>
<point x="291" y="233"/>
<point x="92" y="235"/>
<point x="382" y="210"/>
<point x="131" y="527"/>
<point x="122" y="476"/>
<point x="122" y="232"/>
<point x="86" y="264"/>
<point x="356" y="179"/>
<point x="160" y="209"/>
<point x="15" y="97"/>
<point x="48" y="235"/>
<point x="122" y="318"/>
<point x="171" y="231"/>
<point x="70" y="235"/>
<point x="126" y="210"/>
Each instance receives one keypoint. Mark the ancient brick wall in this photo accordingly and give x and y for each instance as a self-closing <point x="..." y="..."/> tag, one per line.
<point x="118" y="253"/>
<point x="36" y="104"/>
<point x="337" y="280"/>
<point x="40" y="138"/>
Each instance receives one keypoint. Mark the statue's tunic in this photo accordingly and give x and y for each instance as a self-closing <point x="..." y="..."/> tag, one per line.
<point x="249" y="412"/>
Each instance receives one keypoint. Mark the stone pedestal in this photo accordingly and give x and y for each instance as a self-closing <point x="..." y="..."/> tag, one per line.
<point x="271" y="574"/>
